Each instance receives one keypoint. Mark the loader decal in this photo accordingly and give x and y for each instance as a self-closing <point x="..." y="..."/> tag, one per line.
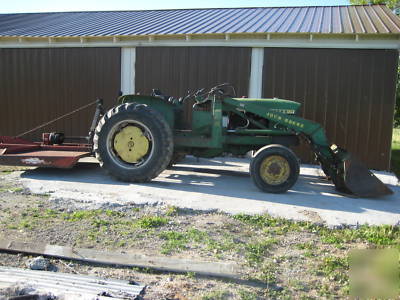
<point x="284" y="120"/>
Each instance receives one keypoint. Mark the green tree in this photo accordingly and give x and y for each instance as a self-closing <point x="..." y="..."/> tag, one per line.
<point x="397" y="108"/>
<point x="392" y="4"/>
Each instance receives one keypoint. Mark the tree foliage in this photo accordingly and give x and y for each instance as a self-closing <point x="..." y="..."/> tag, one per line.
<point x="397" y="108"/>
<point x="392" y="4"/>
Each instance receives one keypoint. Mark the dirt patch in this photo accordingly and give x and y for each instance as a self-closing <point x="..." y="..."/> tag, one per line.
<point x="312" y="216"/>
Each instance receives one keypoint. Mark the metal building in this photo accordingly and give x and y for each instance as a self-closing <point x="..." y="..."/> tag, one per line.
<point x="339" y="61"/>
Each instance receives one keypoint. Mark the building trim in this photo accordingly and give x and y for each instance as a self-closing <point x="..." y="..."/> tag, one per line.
<point x="128" y="61"/>
<point x="256" y="73"/>
<point x="231" y="40"/>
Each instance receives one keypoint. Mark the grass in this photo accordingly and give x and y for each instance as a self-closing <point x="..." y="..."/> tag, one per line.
<point x="176" y="241"/>
<point x="395" y="163"/>
<point x="11" y="189"/>
<point x="256" y="252"/>
<point x="147" y="222"/>
<point x="335" y="268"/>
<point x="216" y="295"/>
<point x="305" y="246"/>
<point x="383" y="235"/>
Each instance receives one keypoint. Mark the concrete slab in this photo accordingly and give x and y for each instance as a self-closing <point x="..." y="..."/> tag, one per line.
<point x="221" y="184"/>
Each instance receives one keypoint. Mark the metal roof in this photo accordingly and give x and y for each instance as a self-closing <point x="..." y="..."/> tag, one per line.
<point x="360" y="19"/>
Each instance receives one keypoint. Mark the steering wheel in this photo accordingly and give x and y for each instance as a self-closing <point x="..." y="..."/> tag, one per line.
<point x="218" y="89"/>
<point x="201" y="96"/>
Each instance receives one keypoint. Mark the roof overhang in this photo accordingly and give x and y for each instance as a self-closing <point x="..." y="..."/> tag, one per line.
<point x="300" y="40"/>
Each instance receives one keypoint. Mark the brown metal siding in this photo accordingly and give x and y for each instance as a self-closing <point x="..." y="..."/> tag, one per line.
<point x="37" y="85"/>
<point x="175" y="70"/>
<point x="350" y="92"/>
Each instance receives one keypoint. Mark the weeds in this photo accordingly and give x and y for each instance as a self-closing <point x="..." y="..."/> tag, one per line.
<point x="305" y="246"/>
<point x="267" y="273"/>
<point x="255" y="242"/>
<point x="247" y="295"/>
<point x="217" y="295"/>
<point x="81" y="215"/>
<point x="275" y="225"/>
<point x="174" y="241"/>
<point x="172" y="211"/>
<point x="383" y="235"/>
<point x="11" y="190"/>
<point x="256" y="252"/>
<point x="335" y="268"/>
<point x="146" y="222"/>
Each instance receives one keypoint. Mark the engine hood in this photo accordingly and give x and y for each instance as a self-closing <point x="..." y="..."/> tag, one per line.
<point x="274" y="104"/>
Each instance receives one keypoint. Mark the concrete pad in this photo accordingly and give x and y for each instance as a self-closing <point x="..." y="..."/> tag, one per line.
<point x="221" y="184"/>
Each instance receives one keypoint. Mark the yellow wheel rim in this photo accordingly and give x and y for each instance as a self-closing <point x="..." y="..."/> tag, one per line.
<point x="275" y="170"/>
<point x="130" y="144"/>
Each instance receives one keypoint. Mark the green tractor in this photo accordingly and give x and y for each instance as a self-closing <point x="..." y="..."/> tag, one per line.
<point x="140" y="137"/>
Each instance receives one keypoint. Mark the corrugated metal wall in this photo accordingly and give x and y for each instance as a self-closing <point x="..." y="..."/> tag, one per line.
<point x="37" y="85"/>
<point x="350" y="92"/>
<point x="175" y="70"/>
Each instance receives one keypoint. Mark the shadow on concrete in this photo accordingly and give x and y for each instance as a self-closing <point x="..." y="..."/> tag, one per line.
<point x="309" y="191"/>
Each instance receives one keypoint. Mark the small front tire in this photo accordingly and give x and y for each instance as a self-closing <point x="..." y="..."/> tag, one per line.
<point x="274" y="169"/>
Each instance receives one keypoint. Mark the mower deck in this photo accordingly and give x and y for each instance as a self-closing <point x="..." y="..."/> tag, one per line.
<point x="19" y="152"/>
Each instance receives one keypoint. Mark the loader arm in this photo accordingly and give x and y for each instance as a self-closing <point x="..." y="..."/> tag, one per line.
<point x="292" y="122"/>
<point x="348" y="174"/>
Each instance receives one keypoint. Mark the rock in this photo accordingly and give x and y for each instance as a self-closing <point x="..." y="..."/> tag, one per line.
<point x="38" y="263"/>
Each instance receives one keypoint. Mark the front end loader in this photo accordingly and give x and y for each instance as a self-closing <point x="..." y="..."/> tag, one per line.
<point x="143" y="135"/>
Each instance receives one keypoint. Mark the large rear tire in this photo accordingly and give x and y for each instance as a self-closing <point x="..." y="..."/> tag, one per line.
<point x="133" y="142"/>
<point x="274" y="169"/>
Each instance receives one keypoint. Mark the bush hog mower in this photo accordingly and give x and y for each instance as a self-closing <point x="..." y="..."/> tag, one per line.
<point x="137" y="139"/>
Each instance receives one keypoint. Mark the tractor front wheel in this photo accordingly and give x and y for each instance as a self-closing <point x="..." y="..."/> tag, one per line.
<point x="133" y="142"/>
<point x="274" y="169"/>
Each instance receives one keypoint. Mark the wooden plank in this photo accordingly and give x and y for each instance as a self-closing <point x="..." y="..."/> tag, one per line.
<point x="217" y="269"/>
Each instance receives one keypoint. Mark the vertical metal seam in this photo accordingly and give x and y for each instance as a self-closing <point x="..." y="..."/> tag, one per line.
<point x="128" y="62"/>
<point x="133" y="70"/>
<point x="256" y="72"/>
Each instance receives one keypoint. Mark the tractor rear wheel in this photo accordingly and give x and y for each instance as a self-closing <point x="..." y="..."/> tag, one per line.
<point x="274" y="169"/>
<point x="133" y="142"/>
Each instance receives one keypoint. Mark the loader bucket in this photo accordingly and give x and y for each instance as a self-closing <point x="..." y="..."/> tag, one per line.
<point x="358" y="180"/>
